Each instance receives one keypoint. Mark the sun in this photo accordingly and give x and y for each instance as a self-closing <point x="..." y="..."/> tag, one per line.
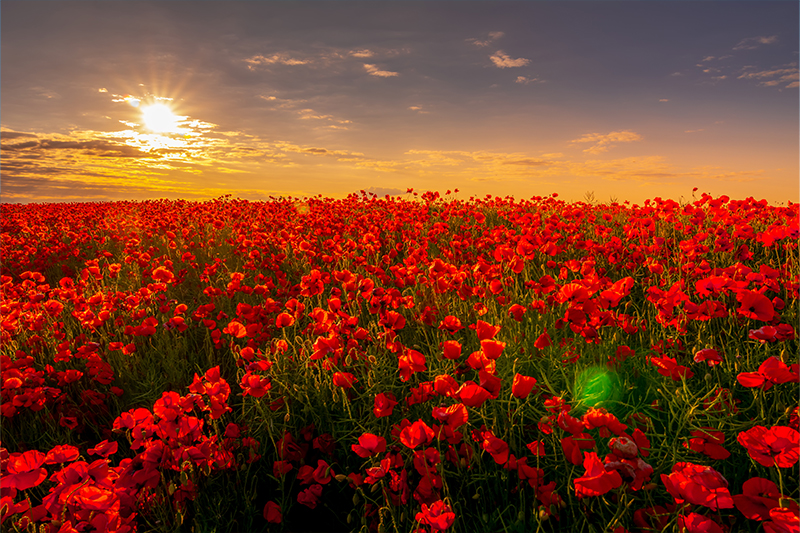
<point x="160" y="119"/>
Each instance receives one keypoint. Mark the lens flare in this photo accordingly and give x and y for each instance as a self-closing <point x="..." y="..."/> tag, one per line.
<point x="596" y="386"/>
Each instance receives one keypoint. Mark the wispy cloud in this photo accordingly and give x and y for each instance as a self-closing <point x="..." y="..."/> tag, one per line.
<point x="751" y="43"/>
<point x="362" y="53"/>
<point x="503" y="60"/>
<point x="281" y="58"/>
<point x="310" y="114"/>
<point x="604" y="142"/>
<point x="373" y="70"/>
<point x="493" y="36"/>
<point x="525" y="80"/>
<point x="788" y="75"/>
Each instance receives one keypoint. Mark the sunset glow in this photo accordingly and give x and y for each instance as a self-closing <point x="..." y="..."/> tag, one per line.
<point x="627" y="101"/>
<point x="160" y="119"/>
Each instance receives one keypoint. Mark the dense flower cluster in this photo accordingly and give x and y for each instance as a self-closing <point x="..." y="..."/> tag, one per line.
<point x="420" y="364"/>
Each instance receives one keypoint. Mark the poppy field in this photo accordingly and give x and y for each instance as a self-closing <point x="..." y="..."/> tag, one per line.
<point x="416" y="364"/>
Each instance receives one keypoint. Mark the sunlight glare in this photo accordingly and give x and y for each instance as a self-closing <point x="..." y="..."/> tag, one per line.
<point x="160" y="118"/>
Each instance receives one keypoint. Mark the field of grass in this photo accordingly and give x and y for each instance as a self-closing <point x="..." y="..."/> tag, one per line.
<point x="400" y="365"/>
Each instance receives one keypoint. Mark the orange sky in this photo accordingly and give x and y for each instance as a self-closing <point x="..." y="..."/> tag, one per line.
<point x="627" y="100"/>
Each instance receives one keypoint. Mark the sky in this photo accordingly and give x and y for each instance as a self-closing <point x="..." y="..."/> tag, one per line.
<point x="622" y="100"/>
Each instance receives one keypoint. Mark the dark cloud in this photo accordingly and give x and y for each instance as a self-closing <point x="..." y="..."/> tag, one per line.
<point x="4" y="135"/>
<point x="527" y="162"/>
<point x="94" y="147"/>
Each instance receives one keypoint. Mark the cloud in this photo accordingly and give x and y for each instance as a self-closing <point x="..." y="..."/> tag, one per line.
<point x="525" y="81"/>
<point x="97" y="148"/>
<point x="663" y="99"/>
<point x="751" y="43"/>
<point x="281" y="58"/>
<point x="694" y="131"/>
<point x="602" y="143"/>
<point x="655" y="169"/>
<point x="527" y="162"/>
<point x="418" y="109"/>
<point x="775" y="77"/>
<point x="289" y="147"/>
<point x="502" y="60"/>
<point x="374" y="71"/>
<point x="362" y="53"/>
<point x="5" y="134"/>
<point x="493" y="36"/>
<point x="310" y="114"/>
<point x="45" y="93"/>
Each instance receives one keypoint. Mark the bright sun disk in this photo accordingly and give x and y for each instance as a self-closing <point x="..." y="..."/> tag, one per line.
<point x="160" y="118"/>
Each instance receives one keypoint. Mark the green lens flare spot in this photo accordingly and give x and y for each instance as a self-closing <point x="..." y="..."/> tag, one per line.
<point x="596" y="386"/>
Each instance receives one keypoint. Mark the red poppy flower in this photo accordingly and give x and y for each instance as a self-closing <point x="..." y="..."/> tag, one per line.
<point x="323" y="473"/>
<point x="522" y="386"/>
<point x="764" y="334"/>
<point x="272" y="513"/>
<point x="344" y="379"/>
<point x="454" y="416"/>
<point x="24" y="470"/>
<point x="699" y="485"/>
<point x="452" y="349"/>
<point x="104" y="448"/>
<point x="439" y="516"/>
<point x="543" y="341"/>
<point x="472" y="394"/>
<point x="236" y="329"/>
<point x="623" y="447"/>
<point x="569" y="423"/>
<point x="493" y="349"/>
<point x="697" y="523"/>
<point x="709" y="355"/>
<point x="758" y="497"/>
<point x="708" y="442"/>
<point x="517" y="311"/>
<point x="574" y="445"/>
<point x="445" y="385"/>
<point x="62" y="453"/>
<point x="497" y="448"/>
<point x="284" y="320"/>
<point x="450" y="324"/>
<point x="255" y="385"/>
<point x="667" y="366"/>
<point x="755" y="305"/>
<point x="384" y="404"/>
<point x="536" y="448"/>
<point x="410" y="362"/>
<point x="784" y="520"/>
<point x="600" y="418"/>
<point x="416" y="434"/>
<point x="485" y="331"/>
<point x="310" y="496"/>
<point x="596" y="481"/>
<point x="771" y="372"/>
<point x="778" y="445"/>
<point x="368" y="445"/>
